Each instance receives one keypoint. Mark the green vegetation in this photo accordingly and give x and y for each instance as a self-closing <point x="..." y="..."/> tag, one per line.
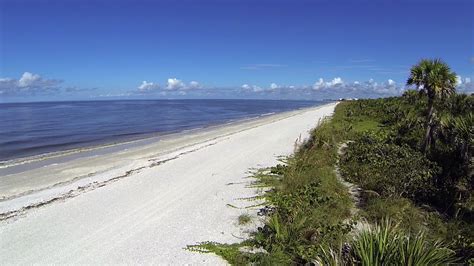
<point x="412" y="158"/>
<point x="435" y="80"/>
<point x="394" y="170"/>
<point x="307" y="206"/>
<point x="230" y="252"/>
<point x="244" y="219"/>
<point x="384" y="244"/>
<point x="423" y="189"/>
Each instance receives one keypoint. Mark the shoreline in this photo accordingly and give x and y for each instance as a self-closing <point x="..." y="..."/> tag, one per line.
<point x="147" y="205"/>
<point x="56" y="180"/>
<point x="106" y="147"/>
<point x="32" y="152"/>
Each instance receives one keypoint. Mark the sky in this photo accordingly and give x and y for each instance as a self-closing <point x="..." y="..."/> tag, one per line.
<point x="281" y="49"/>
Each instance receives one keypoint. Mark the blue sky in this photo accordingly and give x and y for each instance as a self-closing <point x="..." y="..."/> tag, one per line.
<point x="62" y="50"/>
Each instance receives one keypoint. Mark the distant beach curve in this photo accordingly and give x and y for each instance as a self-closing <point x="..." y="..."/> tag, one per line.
<point x="145" y="203"/>
<point x="49" y="128"/>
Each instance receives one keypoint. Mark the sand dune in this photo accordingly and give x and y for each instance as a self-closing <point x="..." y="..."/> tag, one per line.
<point x="144" y="205"/>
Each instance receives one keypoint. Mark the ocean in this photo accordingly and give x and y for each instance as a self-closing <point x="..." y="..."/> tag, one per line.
<point x="32" y="129"/>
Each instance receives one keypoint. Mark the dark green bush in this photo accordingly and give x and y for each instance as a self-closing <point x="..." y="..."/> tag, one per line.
<point x="389" y="169"/>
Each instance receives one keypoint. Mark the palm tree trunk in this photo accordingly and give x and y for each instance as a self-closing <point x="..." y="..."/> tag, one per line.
<point x="429" y="127"/>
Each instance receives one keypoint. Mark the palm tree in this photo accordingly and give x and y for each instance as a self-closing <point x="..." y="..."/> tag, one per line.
<point x="434" y="79"/>
<point x="458" y="131"/>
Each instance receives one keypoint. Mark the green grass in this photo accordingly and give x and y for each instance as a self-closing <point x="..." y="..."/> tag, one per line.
<point x="365" y="125"/>
<point x="385" y="244"/>
<point x="229" y="252"/>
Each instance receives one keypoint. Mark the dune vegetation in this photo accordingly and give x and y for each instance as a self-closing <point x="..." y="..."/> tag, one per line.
<point x="410" y="157"/>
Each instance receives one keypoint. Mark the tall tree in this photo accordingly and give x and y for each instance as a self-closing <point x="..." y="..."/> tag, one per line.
<point x="435" y="80"/>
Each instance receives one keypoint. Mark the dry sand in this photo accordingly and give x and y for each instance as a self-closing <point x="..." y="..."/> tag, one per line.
<point x="145" y="205"/>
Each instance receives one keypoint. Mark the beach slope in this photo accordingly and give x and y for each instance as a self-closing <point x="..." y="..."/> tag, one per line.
<point x="191" y="194"/>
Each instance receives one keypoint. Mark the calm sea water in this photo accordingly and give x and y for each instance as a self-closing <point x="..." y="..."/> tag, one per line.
<point x="28" y="129"/>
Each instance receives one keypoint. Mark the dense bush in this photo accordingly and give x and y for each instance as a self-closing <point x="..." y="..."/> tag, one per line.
<point x="388" y="169"/>
<point x="390" y="160"/>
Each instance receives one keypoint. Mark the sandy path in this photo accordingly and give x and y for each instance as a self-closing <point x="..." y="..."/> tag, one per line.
<point x="150" y="216"/>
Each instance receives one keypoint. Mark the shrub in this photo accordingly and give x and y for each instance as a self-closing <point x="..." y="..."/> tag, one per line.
<point x="385" y="244"/>
<point x="400" y="210"/>
<point x="389" y="169"/>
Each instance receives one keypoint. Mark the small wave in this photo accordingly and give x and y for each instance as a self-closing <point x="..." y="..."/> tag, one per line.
<point x="193" y="129"/>
<point x="48" y="165"/>
<point x="55" y="154"/>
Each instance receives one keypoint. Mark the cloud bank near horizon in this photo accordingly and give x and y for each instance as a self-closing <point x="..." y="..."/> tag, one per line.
<point x="30" y="84"/>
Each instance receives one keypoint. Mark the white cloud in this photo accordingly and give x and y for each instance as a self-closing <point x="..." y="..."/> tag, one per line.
<point x="371" y="83"/>
<point x="174" y="84"/>
<point x="320" y="84"/>
<point x="458" y="80"/>
<point x="251" y="88"/>
<point x="464" y="84"/>
<point x="336" y="81"/>
<point x="28" y="79"/>
<point x="274" y="86"/>
<point x="148" y="86"/>
<point x="462" y="81"/>
<point x="337" y="88"/>
<point x="7" y="84"/>
<point x="28" y="83"/>
<point x="194" y="85"/>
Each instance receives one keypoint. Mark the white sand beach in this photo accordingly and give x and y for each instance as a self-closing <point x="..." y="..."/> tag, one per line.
<point x="144" y="205"/>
